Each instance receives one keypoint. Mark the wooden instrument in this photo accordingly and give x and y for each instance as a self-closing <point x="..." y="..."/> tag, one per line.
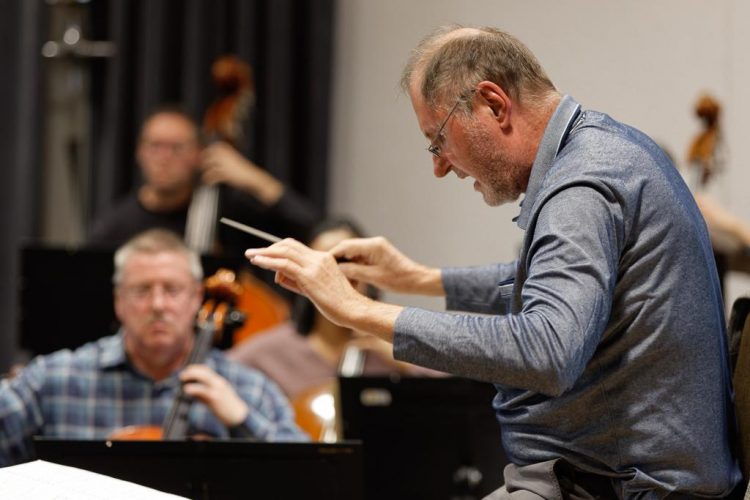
<point x="315" y="408"/>
<point x="702" y="152"/>
<point x="263" y="308"/>
<point x="730" y="234"/>
<point x="222" y="121"/>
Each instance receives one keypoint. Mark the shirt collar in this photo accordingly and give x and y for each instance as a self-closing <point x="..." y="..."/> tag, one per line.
<point x="552" y="141"/>
<point x="113" y="352"/>
<point x="112" y="355"/>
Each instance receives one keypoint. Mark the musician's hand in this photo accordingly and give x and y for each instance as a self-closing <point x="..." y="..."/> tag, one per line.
<point x="222" y="164"/>
<point x="213" y="390"/>
<point x="378" y="262"/>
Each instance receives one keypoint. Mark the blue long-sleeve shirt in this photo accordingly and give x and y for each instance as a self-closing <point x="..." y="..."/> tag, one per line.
<point x="94" y="390"/>
<point x="605" y="339"/>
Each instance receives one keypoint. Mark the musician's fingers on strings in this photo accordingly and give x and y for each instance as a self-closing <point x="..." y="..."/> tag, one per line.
<point x="210" y="177"/>
<point x="197" y="373"/>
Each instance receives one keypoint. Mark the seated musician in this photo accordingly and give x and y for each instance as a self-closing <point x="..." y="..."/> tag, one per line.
<point x="170" y="159"/>
<point x="131" y="378"/>
<point x="307" y="353"/>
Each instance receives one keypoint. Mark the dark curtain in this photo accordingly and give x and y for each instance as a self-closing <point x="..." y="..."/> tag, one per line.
<point x="20" y="144"/>
<point x="164" y="53"/>
<point x="165" y="50"/>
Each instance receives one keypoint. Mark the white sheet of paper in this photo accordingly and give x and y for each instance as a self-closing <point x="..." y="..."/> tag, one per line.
<point x="43" y="480"/>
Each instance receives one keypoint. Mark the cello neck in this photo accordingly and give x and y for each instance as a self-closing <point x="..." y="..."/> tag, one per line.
<point x="176" y="424"/>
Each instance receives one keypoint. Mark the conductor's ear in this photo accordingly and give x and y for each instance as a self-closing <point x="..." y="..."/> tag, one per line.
<point x="497" y="100"/>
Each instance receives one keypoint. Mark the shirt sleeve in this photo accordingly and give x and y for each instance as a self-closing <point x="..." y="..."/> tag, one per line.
<point x="571" y="267"/>
<point x="21" y="414"/>
<point x="270" y="418"/>
<point x="480" y="289"/>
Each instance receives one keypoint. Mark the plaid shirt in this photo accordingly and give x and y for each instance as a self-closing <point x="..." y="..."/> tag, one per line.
<point x="88" y="393"/>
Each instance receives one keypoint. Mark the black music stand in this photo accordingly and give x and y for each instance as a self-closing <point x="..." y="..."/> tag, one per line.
<point x="433" y="438"/>
<point x="218" y="470"/>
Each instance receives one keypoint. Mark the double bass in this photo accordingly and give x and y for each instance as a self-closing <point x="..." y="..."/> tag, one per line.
<point x="223" y="121"/>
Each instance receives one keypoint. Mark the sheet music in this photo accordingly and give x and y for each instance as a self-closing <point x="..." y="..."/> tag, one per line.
<point x="43" y="480"/>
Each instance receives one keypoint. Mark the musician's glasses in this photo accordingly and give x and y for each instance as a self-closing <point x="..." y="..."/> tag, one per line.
<point x="174" y="292"/>
<point x="176" y="148"/>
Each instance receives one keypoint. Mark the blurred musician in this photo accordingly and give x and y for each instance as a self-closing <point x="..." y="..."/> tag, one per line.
<point x="172" y="163"/>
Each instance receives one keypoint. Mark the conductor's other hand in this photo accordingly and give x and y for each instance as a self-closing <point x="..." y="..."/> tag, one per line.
<point x="377" y="262"/>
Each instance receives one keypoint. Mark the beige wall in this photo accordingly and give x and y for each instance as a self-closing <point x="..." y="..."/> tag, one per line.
<point x="643" y="62"/>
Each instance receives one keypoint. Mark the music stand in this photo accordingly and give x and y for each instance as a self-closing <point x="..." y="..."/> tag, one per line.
<point x="218" y="470"/>
<point x="423" y="437"/>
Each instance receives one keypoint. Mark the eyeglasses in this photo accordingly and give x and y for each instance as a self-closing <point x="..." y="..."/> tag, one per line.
<point x="434" y="147"/>
<point x="170" y="291"/>
<point x="177" y="148"/>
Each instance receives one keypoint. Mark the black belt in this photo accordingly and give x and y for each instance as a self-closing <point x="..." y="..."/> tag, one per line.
<point x="598" y="486"/>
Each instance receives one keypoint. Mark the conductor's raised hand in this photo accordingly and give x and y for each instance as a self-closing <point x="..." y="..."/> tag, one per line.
<point x="377" y="262"/>
<point x="313" y="274"/>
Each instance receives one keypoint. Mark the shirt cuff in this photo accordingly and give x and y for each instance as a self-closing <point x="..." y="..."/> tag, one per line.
<point x="241" y="431"/>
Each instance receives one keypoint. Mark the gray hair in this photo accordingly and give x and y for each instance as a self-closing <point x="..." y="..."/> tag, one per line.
<point x="151" y="242"/>
<point x="453" y="59"/>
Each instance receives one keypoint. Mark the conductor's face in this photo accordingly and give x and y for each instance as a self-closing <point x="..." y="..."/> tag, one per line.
<point x="474" y="145"/>
<point x="168" y="152"/>
<point x="156" y="302"/>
